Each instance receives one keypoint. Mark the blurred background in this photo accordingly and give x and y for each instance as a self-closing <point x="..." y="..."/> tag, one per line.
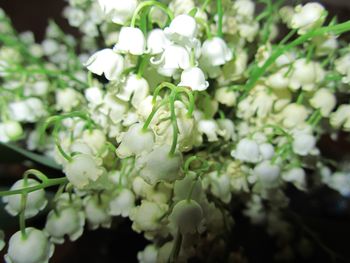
<point x="322" y="211"/>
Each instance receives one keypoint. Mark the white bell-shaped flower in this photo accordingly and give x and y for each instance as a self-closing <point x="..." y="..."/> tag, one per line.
<point x="67" y="99"/>
<point x="194" y="78"/>
<point x="227" y="128"/>
<point x="82" y="170"/>
<point x="210" y="128"/>
<point x="174" y="57"/>
<point x="267" y="174"/>
<point x="33" y="249"/>
<point x="135" y="141"/>
<point x="131" y="40"/>
<point x="303" y="143"/>
<point x="148" y="255"/>
<point x="220" y="186"/>
<point x="95" y="139"/>
<point x="36" y="200"/>
<point x="324" y="100"/>
<point x="266" y="151"/>
<point x="158" y="165"/>
<point x="157" y="41"/>
<point x="247" y="150"/>
<point x="186" y="216"/>
<point x="67" y="221"/>
<point x="226" y="96"/>
<point x="296" y="176"/>
<point x="186" y="185"/>
<point x="307" y="17"/>
<point x="215" y="52"/>
<point x="146" y="216"/>
<point x="134" y="86"/>
<point x="306" y="75"/>
<point x="120" y="11"/>
<point x="10" y="131"/>
<point x="182" y="30"/>
<point x="294" y="115"/>
<point x="341" y="117"/>
<point x="106" y="62"/>
<point x="122" y="203"/>
<point x="96" y="212"/>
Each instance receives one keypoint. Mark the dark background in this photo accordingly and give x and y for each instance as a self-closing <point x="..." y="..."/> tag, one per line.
<point x="322" y="210"/>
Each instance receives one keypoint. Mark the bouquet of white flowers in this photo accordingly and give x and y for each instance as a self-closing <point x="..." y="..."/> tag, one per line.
<point x="169" y="113"/>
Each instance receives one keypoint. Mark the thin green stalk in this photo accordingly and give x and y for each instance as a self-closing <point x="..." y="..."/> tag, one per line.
<point x="176" y="248"/>
<point x="48" y="183"/>
<point x="174" y="123"/>
<point x="220" y="16"/>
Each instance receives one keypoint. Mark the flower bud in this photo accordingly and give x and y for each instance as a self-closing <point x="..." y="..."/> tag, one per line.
<point x="324" y="100"/>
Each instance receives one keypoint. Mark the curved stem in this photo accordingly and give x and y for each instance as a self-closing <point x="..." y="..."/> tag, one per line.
<point x="149" y="4"/>
<point x="22" y="218"/>
<point x="150" y="117"/>
<point x="42" y="177"/>
<point x="173" y="122"/>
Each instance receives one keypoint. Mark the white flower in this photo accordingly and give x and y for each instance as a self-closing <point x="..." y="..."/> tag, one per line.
<point x="215" y="52"/>
<point x="341" y="117"/>
<point x="267" y="174"/>
<point x="294" y="115"/>
<point x="66" y="221"/>
<point x="186" y="216"/>
<point x="226" y="96"/>
<point x="135" y="141"/>
<point x="29" y="110"/>
<point x="307" y="17"/>
<point x="96" y="212"/>
<point x="174" y="57"/>
<point x="194" y="78"/>
<point x="324" y="100"/>
<point x="227" y="129"/>
<point x="107" y="62"/>
<point x="10" y="131"/>
<point x="82" y="169"/>
<point x="342" y="65"/>
<point x="120" y="11"/>
<point x="220" y="186"/>
<point x="266" y="150"/>
<point x="148" y="255"/>
<point x="33" y="249"/>
<point x="94" y="95"/>
<point x="131" y="40"/>
<point x="244" y="8"/>
<point x="67" y="99"/>
<point x="210" y="128"/>
<point x="95" y="139"/>
<point x="146" y="216"/>
<point x="122" y="203"/>
<point x="295" y="176"/>
<point x="247" y="151"/>
<point x="186" y="185"/>
<point x="156" y="41"/>
<point x="158" y="165"/>
<point x="36" y="200"/>
<point x="134" y="86"/>
<point x="303" y="143"/>
<point x="182" y="30"/>
<point x="306" y="75"/>
<point x="278" y="80"/>
<point x="340" y="181"/>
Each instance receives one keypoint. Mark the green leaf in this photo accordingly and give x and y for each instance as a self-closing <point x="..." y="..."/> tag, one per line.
<point x="44" y="160"/>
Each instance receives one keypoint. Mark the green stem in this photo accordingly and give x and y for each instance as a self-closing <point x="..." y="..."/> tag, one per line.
<point x="22" y="218"/>
<point x="48" y="183"/>
<point x="149" y="4"/>
<point x="220" y="16"/>
<point x="174" y="123"/>
<point x="335" y="29"/>
<point x="153" y="112"/>
<point x="206" y="27"/>
<point x="176" y="248"/>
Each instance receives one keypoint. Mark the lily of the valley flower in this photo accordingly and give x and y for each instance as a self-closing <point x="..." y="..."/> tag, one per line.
<point x="182" y="30"/>
<point x="307" y="17"/>
<point x="131" y="40"/>
<point x="36" y="243"/>
<point x="156" y="41"/>
<point x="215" y="52"/>
<point x="106" y="62"/>
<point x="194" y="78"/>
<point x="36" y="201"/>
<point x="120" y="11"/>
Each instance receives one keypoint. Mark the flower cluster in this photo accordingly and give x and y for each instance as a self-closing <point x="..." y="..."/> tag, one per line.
<point x="171" y="114"/>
